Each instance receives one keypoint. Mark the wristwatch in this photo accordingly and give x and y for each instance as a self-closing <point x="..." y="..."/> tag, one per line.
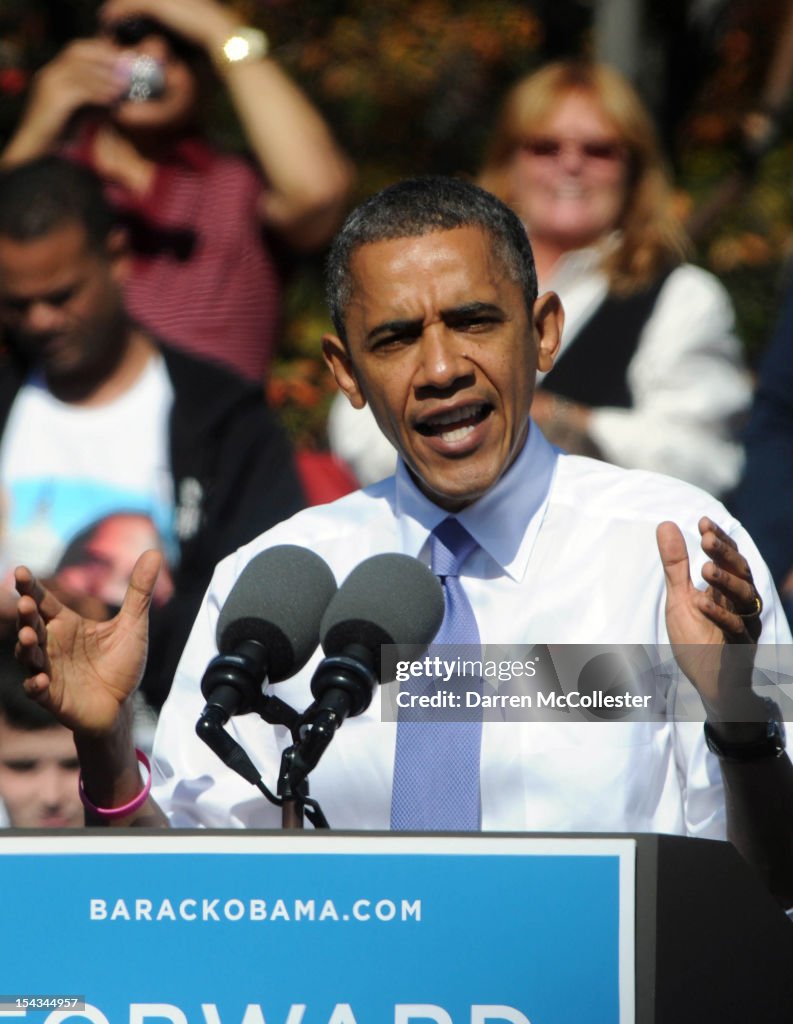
<point x="770" y="744"/>
<point x="243" y="45"/>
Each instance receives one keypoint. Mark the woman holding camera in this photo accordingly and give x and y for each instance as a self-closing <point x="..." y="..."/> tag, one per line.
<point x="201" y="222"/>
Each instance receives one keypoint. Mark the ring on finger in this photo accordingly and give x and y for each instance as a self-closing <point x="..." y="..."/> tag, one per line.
<point x="756" y="611"/>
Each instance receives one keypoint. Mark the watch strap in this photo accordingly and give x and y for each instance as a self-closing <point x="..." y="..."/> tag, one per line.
<point x="770" y="744"/>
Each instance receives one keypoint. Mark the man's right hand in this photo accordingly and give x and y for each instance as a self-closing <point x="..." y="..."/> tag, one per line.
<point x="81" y="670"/>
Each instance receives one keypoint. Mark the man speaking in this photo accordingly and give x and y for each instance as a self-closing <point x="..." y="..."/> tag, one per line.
<point x="439" y="329"/>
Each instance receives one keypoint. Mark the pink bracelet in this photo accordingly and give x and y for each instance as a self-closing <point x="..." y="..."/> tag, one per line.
<point x="133" y="805"/>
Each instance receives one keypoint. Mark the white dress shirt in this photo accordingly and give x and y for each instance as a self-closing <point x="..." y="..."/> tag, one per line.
<point x="687" y="380"/>
<point x="567" y="555"/>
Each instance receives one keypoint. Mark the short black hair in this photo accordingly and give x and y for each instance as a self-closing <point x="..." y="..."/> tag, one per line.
<point x="50" y="192"/>
<point x="418" y="206"/>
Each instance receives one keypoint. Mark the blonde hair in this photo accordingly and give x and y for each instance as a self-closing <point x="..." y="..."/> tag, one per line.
<point x="651" y="237"/>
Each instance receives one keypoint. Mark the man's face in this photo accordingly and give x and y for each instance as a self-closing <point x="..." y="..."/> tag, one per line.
<point x="60" y="299"/>
<point x="442" y="347"/>
<point x="38" y="777"/>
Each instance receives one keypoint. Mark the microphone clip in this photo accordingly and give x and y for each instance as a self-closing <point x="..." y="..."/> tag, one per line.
<point x="233" y="681"/>
<point x="344" y="682"/>
<point x="342" y="687"/>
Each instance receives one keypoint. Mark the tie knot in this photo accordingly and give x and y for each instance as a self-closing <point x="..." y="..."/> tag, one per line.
<point x="450" y="545"/>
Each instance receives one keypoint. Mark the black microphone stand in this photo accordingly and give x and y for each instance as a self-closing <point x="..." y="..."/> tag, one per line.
<point x="342" y="687"/>
<point x="232" y="683"/>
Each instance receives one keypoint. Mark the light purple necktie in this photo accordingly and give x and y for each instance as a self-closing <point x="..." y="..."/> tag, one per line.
<point x="436" y="767"/>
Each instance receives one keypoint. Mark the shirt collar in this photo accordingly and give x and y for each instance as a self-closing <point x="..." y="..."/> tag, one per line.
<point x="504" y="522"/>
<point x="190" y="150"/>
<point x="578" y="263"/>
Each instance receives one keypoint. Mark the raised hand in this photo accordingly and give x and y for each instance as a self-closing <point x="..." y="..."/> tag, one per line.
<point x="701" y="623"/>
<point x="204" y="22"/>
<point x="83" y="74"/>
<point x="81" y="670"/>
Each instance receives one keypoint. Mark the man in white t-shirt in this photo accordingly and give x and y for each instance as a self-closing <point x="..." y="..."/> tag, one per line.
<point x="110" y="442"/>
<point x="439" y="328"/>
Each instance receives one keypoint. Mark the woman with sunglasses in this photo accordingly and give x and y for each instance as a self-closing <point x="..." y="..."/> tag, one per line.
<point x="207" y="227"/>
<point x="650" y="375"/>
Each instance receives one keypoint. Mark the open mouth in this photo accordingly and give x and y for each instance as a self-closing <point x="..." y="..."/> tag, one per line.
<point x="455" y="424"/>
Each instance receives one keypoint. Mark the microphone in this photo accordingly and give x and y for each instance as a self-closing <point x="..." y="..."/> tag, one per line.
<point x="267" y="629"/>
<point x="388" y="599"/>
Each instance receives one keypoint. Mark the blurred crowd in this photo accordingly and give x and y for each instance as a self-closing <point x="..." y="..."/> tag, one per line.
<point x="136" y="352"/>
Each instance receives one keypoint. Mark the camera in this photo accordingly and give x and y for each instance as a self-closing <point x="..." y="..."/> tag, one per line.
<point x="144" y="78"/>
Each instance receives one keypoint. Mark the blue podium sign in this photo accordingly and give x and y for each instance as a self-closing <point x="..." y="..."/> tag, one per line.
<point x="290" y="928"/>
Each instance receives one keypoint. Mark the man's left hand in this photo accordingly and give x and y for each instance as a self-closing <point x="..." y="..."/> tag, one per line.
<point x="701" y="623"/>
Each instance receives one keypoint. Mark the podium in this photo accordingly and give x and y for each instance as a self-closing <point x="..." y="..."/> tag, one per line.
<point x="712" y="944"/>
<point x="248" y="927"/>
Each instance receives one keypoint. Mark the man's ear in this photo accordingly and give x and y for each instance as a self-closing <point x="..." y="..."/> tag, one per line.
<point x="548" y="318"/>
<point x="338" y="361"/>
<point x="117" y="249"/>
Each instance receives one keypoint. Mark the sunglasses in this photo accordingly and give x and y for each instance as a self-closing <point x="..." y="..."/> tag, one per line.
<point x="597" y="150"/>
<point x="133" y="30"/>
